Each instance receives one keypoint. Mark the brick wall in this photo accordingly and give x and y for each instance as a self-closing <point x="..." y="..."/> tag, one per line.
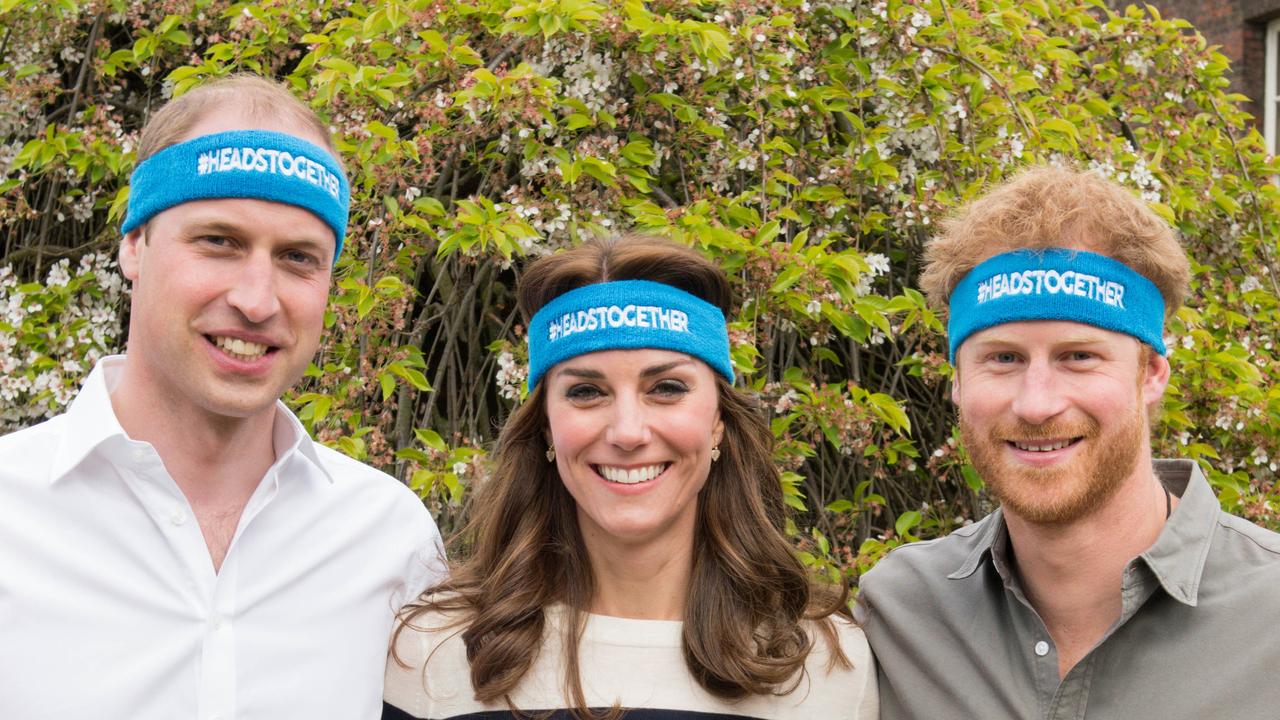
<point x="1239" y="27"/>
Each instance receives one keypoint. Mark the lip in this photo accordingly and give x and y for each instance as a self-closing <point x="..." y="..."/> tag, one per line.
<point x="631" y="488"/>
<point x="246" y="336"/>
<point x="1041" y="459"/>
<point x="235" y="366"/>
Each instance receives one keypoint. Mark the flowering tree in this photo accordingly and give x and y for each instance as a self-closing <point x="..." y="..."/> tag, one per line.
<point x="809" y="146"/>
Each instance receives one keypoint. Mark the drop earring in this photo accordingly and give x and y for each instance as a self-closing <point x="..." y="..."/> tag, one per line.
<point x="551" y="454"/>
<point x="715" y="453"/>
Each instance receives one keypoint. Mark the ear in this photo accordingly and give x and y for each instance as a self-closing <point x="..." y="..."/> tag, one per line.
<point x="1157" y="377"/>
<point x="955" y="387"/>
<point x="131" y="250"/>
<point x="717" y="432"/>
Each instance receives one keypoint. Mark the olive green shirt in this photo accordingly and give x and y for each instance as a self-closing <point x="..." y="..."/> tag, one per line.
<point x="1198" y="634"/>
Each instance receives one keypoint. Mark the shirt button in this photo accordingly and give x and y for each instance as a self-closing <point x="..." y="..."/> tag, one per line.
<point x="1042" y="648"/>
<point x="177" y="518"/>
<point x="139" y="455"/>
<point x="218" y="623"/>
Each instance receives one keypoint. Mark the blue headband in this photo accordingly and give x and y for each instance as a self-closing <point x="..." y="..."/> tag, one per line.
<point x="258" y="164"/>
<point x="627" y="315"/>
<point x="1057" y="284"/>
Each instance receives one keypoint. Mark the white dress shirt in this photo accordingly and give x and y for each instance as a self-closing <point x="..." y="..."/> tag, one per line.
<point x="110" y="607"/>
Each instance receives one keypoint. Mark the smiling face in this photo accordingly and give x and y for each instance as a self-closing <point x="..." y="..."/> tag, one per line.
<point x="633" y="432"/>
<point x="1054" y="414"/>
<point x="228" y="298"/>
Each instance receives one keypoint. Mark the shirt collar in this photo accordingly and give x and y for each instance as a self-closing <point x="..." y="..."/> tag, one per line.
<point x="1176" y="558"/>
<point x="988" y="531"/>
<point x="290" y="436"/>
<point x="91" y="421"/>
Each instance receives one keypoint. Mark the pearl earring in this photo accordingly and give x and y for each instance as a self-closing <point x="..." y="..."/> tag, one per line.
<point x="551" y="454"/>
<point x="715" y="453"/>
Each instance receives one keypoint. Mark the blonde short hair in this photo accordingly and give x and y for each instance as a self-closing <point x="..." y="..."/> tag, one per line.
<point x="255" y="95"/>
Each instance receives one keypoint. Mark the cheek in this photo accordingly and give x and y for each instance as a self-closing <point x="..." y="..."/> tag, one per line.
<point x="307" y="299"/>
<point x="694" y="428"/>
<point x="570" y="430"/>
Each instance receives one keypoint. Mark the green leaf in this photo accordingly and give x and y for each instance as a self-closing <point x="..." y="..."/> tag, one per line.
<point x="431" y="439"/>
<point x="906" y="522"/>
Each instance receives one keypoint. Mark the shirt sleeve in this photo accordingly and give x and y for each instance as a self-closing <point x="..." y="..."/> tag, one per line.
<point x="427" y="566"/>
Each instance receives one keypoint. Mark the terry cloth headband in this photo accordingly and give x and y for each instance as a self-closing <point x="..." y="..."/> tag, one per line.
<point x="1057" y="284"/>
<point x="627" y="315"/>
<point x="258" y="164"/>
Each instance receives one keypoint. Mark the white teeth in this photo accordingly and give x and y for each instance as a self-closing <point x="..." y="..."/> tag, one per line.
<point x="630" y="477"/>
<point x="1042" y="448"/>
<point x="240" y="349"/>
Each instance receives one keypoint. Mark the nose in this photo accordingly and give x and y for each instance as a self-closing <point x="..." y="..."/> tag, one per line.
<point x="628" y="427"/>
<point x="1040" y="395"/>
<point x="253" y="290"/>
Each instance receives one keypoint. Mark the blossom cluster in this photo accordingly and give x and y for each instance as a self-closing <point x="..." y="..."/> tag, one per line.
<point x="52" y="334"/>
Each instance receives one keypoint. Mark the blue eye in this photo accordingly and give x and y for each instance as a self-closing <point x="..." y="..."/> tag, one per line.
<point x="670" y="387"/>
<point x="582" y="392"/>
<point x="298" y="257"/>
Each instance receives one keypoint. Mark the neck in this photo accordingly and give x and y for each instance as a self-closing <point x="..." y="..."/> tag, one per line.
<point x="1073" y="573"/>
<point x="646" y="580"/>
<point x="216" y="461"/>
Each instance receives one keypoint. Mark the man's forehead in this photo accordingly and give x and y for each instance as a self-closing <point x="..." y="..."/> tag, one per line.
<point x="1051" y="332"/>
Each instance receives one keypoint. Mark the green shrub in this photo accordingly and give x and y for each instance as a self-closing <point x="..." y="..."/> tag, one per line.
<point x="810" y="146"/>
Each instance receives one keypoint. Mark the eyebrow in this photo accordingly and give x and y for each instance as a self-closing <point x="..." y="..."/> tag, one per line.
<point x="659" y="369"/>
<point x="647" y="372"/>
<point x="581" y="372"/>
<point x="210" y="225"/>
<point x="204" y="226"/>
<point x="1067" y="341"/>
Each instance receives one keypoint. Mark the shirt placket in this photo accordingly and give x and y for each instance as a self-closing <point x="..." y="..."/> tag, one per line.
<point x="1035" y="646"/>
<point x="212" y="596"/>
<point x="217" y="690"/>
<point x="1033" y="642"/>
<point x="1071" y="698"/>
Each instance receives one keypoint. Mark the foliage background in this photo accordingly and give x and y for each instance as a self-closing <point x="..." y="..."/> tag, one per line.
<point x="809" y="146"/>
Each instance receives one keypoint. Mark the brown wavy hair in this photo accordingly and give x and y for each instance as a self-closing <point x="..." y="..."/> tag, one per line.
<point x="1047" y="206"/>
<point x="750" y="599"/>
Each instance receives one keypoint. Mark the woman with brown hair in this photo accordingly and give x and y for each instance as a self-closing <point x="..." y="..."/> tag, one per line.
<point x="628" y="552"/>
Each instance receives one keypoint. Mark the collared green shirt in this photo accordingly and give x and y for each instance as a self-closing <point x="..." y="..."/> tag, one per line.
<point x="1198" y="634"/>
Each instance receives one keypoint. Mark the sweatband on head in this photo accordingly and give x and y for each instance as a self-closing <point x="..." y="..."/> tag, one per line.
<point x="256" y="164"/>
<point x="627" y="315"/>
<point x="1057" y="284"/>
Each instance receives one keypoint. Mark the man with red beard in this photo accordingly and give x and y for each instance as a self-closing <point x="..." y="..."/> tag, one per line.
<point x="1107" y="584"/>
<point x="175" y="545"/>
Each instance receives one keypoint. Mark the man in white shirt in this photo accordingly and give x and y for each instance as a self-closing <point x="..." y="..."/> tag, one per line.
<point x="175" y="545"/>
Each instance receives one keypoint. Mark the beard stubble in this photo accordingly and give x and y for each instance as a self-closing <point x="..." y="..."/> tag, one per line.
<point x="1066" y="492"/>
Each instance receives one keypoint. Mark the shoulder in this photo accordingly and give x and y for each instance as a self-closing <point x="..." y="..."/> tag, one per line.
<point x="42" y="432"/>
<point x="422" y="633"/>
<point x="850" y="638"/>
<point x="906" y="567"/>
<point x="1249" y="541"/>
<point x="29" y="451"/>
<point x="829" y="688"/>
<point x="428" y="669"/>
<point x="382" y="515"/>
<point x="369" y="483"/>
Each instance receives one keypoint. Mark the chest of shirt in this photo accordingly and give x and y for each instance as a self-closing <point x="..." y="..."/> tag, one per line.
<point x="1167" y="661"/>
<point x="110" y="607"/>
